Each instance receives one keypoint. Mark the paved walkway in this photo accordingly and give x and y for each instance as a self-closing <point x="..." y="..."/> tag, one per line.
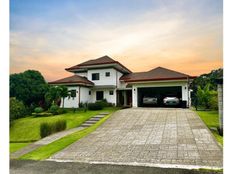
<point x="149" y="137"/>
<point x="54" y="137"/>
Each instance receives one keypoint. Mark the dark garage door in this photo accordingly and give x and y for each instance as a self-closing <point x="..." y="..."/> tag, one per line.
<point x="158" y="92"/>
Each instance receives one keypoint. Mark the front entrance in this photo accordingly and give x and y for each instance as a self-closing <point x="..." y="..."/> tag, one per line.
<point x="124" y="98"/>
<point x="99" y="95"/>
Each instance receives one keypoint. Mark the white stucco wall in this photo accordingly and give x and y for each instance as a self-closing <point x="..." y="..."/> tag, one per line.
<point x="119" y="84"/>
<point x="106" y="95"/>
<point x="103" y="80"/>
<point x="135" y="87"/>
<point x="71" y="102"/>
<point x="85" y="97"/>
<point x="74" y="102"/>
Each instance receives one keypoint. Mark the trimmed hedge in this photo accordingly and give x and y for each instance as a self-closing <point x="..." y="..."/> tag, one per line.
<point x="54" y="109"/>
<point x="95" y="106"/>
<point x="50" y="128"/>
<point x="43" y="114"/>
<point x="38" y="110"/>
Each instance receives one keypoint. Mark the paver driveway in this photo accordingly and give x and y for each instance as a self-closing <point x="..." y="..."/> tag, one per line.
<point x="147" y="136"/>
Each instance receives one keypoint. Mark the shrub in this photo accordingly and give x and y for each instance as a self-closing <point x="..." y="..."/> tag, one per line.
<point x="95" y="106"/>
<point x="50" y="128"/>
<point x="60" y="125"/>
<point x="54" y="109"/>
<point x="81" y="105"/>
<point x="17" y="109"/>
<point x="104" y="103"/>
<point x="62" y="111"/>
<point x="45" y="130"/>
<point x="213" y="102"/>
<point x="38" y="110"/>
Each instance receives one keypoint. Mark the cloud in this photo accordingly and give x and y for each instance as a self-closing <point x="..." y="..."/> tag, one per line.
<point x="155" y="38"/>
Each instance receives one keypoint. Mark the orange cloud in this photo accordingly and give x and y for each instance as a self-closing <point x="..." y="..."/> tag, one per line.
<point x="170" y="41"/>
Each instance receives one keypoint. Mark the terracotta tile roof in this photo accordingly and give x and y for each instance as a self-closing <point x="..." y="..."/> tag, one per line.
<point x="99" y="61"/>
<point x="75" y="79"/>
<point x="155" y="74"/>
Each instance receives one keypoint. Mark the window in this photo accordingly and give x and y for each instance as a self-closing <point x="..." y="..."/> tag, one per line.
<point x="99" y="95"/>
<point x="107" y="74"/>
<point x="111" y="92"/>
<point x="95" y="76"/>
<point x="73" y="93"/>
<point x="89" y="92"/>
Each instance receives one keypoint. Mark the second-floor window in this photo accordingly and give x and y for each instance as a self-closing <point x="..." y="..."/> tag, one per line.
<point x="107" y="74"/>
<point x="95" y="76"/>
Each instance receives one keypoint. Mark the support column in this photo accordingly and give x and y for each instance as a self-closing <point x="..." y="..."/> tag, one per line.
<point x="220" y="105"/>
<point x="124" y="97"/>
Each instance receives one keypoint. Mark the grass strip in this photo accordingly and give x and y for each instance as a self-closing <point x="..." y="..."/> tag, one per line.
<point x="210" y="118"/>
<point x="16" y="146"/>
<point x="46" y="151"/>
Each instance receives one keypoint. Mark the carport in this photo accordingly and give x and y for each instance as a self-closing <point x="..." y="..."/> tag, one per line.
<point x="160" y="93"/>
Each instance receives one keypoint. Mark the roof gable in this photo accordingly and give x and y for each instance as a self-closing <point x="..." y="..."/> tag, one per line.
<point x="75" y="79"/>
<point x="155" y="74"/>
<point x="101" y="62"/>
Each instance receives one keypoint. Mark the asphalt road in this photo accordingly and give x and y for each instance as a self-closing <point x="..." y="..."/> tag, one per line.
<point x="50" y="167"/>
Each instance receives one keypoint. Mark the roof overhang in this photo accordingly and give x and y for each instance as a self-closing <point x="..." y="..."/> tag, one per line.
<point x="158" y="79"/>
<point x="104" y="87"/>
<point x="116" y="65"/>
<point x="71" y="84"/>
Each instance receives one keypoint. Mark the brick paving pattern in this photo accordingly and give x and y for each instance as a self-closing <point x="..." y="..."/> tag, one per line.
<point x="148" y="136"/>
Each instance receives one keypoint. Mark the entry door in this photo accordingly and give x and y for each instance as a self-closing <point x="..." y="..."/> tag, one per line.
<point x="99" y="95"/>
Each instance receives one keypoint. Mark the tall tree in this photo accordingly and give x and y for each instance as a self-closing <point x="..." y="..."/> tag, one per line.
<point x="28" y="87"/>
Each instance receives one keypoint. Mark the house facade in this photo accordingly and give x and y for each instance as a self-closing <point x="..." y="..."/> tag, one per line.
<point x="105" y="78"/>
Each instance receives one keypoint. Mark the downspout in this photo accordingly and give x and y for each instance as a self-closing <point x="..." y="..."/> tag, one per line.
<point x="79" y="96"/>
<point x="116" y="88"/>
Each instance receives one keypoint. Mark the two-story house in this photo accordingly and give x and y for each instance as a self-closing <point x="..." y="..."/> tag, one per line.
<point x="105" y="78"/>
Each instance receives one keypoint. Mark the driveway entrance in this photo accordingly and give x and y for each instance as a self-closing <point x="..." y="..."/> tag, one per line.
<point x="147" y="136"/>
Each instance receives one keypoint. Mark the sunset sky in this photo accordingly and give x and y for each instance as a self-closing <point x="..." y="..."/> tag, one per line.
<point x="51" y="35"/>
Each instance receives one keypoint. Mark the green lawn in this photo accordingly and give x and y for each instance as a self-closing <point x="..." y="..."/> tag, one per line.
<point x="46" y="151"/>
<point x="211" y="120"/>
<point x="16" y="146"/>
<point x="27" y="129"/>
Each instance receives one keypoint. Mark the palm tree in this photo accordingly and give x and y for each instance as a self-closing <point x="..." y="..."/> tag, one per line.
<point x="53" y="94"/>
<point x="63" y="93"/>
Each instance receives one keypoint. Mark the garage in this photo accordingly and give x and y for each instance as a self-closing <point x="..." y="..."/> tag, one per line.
<point x="156" y="94"/>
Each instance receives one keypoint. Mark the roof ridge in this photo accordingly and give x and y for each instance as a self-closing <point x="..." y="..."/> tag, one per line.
<point x="169" y="70"/>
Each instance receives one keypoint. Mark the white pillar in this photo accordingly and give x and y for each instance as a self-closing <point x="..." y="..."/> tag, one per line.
<point x="134" y="97"/>
<point x="220" y="104"/>
<point x="124" y="96"/>
<point x="185" y="93"/>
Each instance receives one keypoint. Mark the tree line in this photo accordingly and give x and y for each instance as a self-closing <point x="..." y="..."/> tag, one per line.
<point x="204" y="94"/>
<point x="29" y="90"/>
